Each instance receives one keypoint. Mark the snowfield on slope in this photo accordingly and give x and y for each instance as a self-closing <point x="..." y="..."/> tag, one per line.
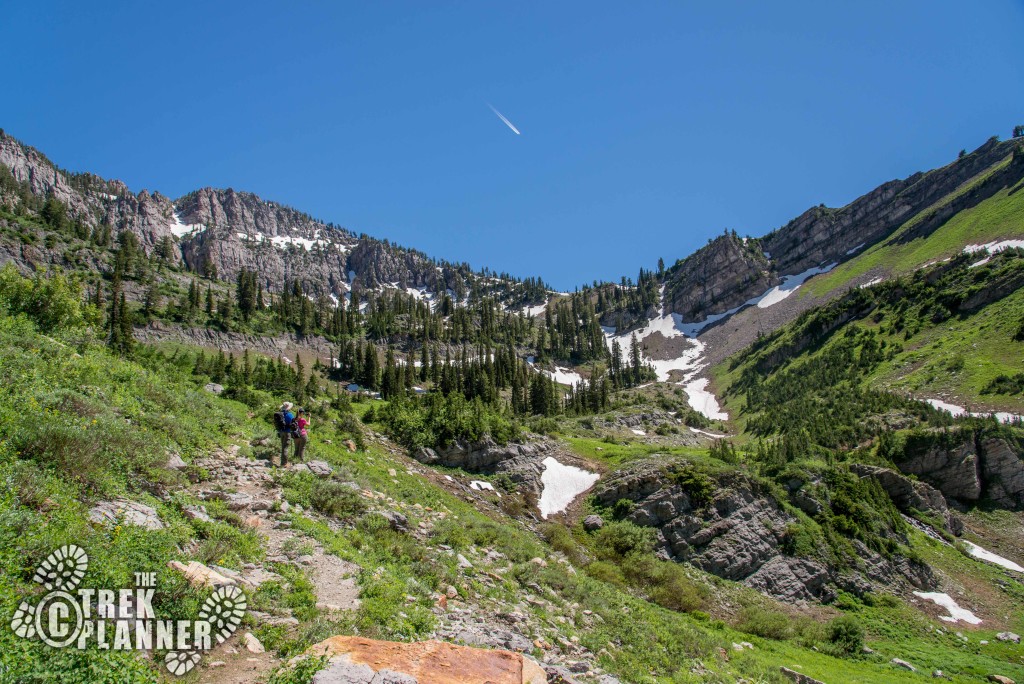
<point x="956" y="613"/>
<point x="986" y="555"/>
<point x="691" y="361"/>
<point x="561" y="485"/>
<point x="958" y="411"/>
<point x="180" y="229"/>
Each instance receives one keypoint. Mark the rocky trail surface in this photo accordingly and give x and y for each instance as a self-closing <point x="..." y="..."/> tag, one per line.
<point x="249" y="489"/>
<point x="467" y="612"/>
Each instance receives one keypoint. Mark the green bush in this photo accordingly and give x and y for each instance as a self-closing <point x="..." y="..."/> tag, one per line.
<point x="323" y="495"/>
<point x="619" y="539"/>
<point x="846" y="635"/>
<point x="770" y="624"/>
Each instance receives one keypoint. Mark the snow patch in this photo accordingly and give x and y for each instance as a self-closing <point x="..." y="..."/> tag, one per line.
<point x="564" y="376"/>
<point x="873" y="281"/>
<point x="638" y="433"/>
<point x="697" y="431"/>
<point x="956" y="613"/>
<point x="480" y="486"/>
<point x="986" y="555"/>
<point x="702" y="401"/>
<point x="283" y="241"/>
<point x="561" y="484"/>
<point x="535" y="310"/>
<point x="984" y="261"/>
<point x="958" y="411"/>
<point x="180" y="229"/>
<point x="788" y="286"/>
<point x="995" y="246"/>
<point x="855" y="249"/>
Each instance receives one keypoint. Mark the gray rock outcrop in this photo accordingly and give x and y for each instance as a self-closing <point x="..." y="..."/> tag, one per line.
<point x="910" y="496"/>
<point x="969" y="467"/>
<point x="521" y="462"/>
<point x="127" y="512"/>
<point x="739" y="533"/>
<point x="954" y="472"/>
<point x="1003" y="473"/>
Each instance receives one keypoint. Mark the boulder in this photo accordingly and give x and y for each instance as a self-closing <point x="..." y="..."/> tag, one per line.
<point x="175" y="462"/>
<point x="198" y="575"/>
<point x="903" y="663"/>
<point x="559" y="675"/>
<point x="196" y="513"/>
<point x="1008" y="636"/>
<point x="798" y="677"/>
<point x="397" y="521"/>
<point x="429" y="662"/>
<point x="252" y="644"/>
<point x="320" y="468"/>
<point x="213" y="388"/>
<point x="1000" y="679"/>
<point x="593" y="522"/>
<point x="128" y="512"/>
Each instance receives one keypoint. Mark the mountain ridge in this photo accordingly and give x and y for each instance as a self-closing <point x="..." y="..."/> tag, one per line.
<point x="226" y="225"/>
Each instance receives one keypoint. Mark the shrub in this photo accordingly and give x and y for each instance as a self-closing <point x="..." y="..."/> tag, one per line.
<point x="326" y="496"/>
<point x="301" y="673"/>
<point x="53" y="303"/>
<point x="619" y="539"/>
<point x="698" y="485"/>
<point x="606" y="572"/>
<point x="770" y="624"/>
<point x="846" y="635"/>
<point x="560" y="539"/>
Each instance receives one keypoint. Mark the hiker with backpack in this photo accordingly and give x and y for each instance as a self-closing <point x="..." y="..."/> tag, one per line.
<point x="300" y="435"/>
<point x="284" y="423"/>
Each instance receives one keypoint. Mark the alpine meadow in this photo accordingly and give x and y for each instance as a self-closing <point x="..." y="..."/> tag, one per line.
<point x="240" y="443"/>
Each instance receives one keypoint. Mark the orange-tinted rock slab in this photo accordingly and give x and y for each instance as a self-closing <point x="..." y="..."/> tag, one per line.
<point x="435" y="662"/>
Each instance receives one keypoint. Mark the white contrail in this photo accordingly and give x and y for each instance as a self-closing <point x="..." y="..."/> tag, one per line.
<point x="502" y="117"/>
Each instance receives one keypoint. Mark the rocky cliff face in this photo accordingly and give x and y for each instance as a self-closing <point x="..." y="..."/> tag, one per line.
<point x="740" y="534"/>
<point x="719" y="277"/>
<point x="225" y="231"/>
<point x="911" y="496"/>
<point x="723" y="274"/>
<point x="970" y="469"/>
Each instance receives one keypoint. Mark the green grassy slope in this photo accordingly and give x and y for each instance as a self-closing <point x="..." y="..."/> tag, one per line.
<point x="78" y="424"/>
<point x="1000" y="216"/>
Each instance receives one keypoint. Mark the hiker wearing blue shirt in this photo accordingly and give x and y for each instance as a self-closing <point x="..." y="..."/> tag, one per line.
<point x="284" y="423"/>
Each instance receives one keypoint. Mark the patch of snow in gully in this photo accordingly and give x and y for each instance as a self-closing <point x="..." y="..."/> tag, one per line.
<point x="561" y="484"/>
<point x="986" y="555"/>
<point x="180" y="229"/>
<point x="702" y="401"/>
<point x="958" y="411"/>
<point x="994" y="246"/>
<point x="956" y="613"/>
<point x="789" y="285"/>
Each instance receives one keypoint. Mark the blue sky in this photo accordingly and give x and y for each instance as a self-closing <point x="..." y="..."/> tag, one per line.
<point x="646" y="127"/>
